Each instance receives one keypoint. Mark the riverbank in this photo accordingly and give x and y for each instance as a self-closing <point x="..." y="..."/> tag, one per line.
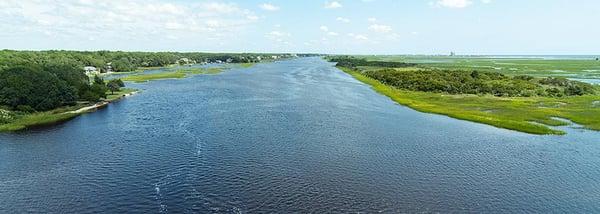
<point x="46" y="118"/>
<point x="534" y="115"/>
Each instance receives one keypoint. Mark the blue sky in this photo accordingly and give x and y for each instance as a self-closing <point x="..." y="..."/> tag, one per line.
<point x="321" y="26"/>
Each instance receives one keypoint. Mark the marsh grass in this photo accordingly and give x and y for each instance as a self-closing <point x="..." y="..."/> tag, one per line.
<point x="247" y="65"/>
<point x="39" y="119"/>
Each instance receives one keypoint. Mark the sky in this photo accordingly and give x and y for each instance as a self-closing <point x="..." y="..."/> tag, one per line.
<point x="305" y="26"/>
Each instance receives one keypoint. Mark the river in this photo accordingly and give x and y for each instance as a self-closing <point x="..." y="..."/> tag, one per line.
<point x="289" y="136"/>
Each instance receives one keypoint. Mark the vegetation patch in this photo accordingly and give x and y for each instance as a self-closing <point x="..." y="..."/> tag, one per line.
<point x="156" y="76"/>
<point x="247" y="65"/>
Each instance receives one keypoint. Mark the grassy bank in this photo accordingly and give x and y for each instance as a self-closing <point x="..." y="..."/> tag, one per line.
<point x="533" y="115"/>
<point x="24" y="121"/>
<point x="21" y="121"/>
<point x="178" y="74"/>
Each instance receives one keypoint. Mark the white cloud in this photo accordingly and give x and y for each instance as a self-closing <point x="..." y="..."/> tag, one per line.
<point x="358" y="37"/>
<point x="325" y="29"/>
<point x="252" y="17"/>
<point x="269" y="7"/>
<point x="454" y="3"/>
<point x="123" y="19"/>
<point x="380" y="28"/>
<point x="372" y="19"/>
<point x="174" y="26"/>
<point x="486" y="1"/>
<point x="332" y="5"/>
<point x="342" y="19"/>
<point x="361" y="37"/>
<point x="221" y="7"/>
<point x="278" y="34"/>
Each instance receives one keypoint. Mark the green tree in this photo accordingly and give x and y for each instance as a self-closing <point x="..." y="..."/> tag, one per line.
<point x="115" y="85"/>
<point x="32" y="88"/>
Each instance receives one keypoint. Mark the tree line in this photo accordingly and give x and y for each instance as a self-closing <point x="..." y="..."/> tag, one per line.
<point x="32" y="87"/>
<point x="353" y="62"/>
<point x="121" y="61"/>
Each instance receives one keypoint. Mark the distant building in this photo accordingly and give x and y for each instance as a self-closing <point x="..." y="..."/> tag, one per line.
<point x="229" y="60"/>
<point x="452" y="53"/>
<point x="90" y="70"/>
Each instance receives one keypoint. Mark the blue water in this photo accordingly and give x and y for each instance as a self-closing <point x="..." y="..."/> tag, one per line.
<point x="590" y="81"/>
<point x="289" y="136"/>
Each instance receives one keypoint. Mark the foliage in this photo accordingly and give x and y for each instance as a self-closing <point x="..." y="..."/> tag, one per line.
<point x="31" y="87"/>
<point x="464" y="82"/>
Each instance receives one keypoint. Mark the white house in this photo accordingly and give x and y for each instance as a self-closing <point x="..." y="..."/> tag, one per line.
<point x="90" y="70"/>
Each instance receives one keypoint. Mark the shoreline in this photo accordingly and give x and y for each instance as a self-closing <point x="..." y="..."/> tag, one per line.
<point x="57" y="116"/>
<point x="101" y="104"/>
